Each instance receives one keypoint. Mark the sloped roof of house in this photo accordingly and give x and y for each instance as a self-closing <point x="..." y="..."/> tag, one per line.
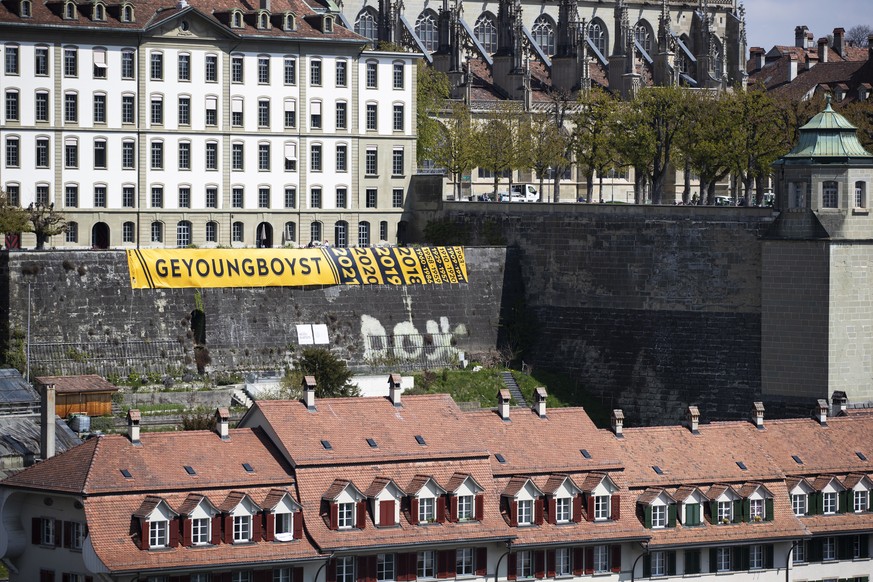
<point x="78" y="384"/>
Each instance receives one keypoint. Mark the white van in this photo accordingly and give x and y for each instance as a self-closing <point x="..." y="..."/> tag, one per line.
<point x="520" y="193"/>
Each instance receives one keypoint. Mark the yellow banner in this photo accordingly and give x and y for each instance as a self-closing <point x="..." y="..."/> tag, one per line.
<point x="182" y="268"/>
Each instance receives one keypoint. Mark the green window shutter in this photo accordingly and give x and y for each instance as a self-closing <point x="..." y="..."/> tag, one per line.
<point x="671" y="563"/>
<point x="842" y="501"/>
<point x="692" y="561"/>
<point x="845" y="547"/>
<point x="713" y="512"/>
<point x="768" y="556"/>
<point x="647" y="516"/>
<point x="768" y="509"/>
<point x="818" y="499"/>
<point x="865" y="545"/>
<point x="713" y="560"/>
<point x="647" y="566"/>
<point x="671" y="515"/>
<point x="747" y="510"/>
<point x="814" y="553"/>
<point x="738" y="512"/>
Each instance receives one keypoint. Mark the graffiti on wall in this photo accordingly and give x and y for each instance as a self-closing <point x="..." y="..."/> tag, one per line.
<point x="406" y="343"/>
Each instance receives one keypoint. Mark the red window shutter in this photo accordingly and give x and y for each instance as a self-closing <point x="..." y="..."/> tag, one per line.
<point x="361" y="520"/>
<point x="144" y="534"/>
<point x="578" y="561"/>
<point x="297" y="574"/>
<point x="481" y="561"/>
<point x="590" y="515"/>
<point x="440" y="502"/>
<point x="402" y="567"/>
<point x="263" y="576"/>
<point x="616" y="558"/>
<point x="174" y="532"/>
<point x="270" y="526"/>
<point x="513" y="513"/>
<point x="453" y="508"/>
<point x="553" y="510"/>
<point x="363" y="574"/>
<point x="330" y="571"/>
<point x="538" y="511"/>
<point x="511" y="571"/>
<point x="550" y="564"/>
<point x="68" y="534"/>
<point x="589" y="560"/>
<point x="334" y="516"/>
<point x="480" y="507"/>
<point x="65" y="577"/>
<point x="539" y="564"/>
<point x="616" y="507"/>
<point x="257" y="527"/>
<point x="386" y="512"/>
<point x="297" y="518"/>
<point x="413" y="510"/>
<point x="89" y="579"/>
<point x="186" y="531"/>
<point x="35" y="530"/>
<point x="228" y="529"/>
<point x="216" y="530"/>
<point x="577" y="508"/>
<point x="444" y="561"/>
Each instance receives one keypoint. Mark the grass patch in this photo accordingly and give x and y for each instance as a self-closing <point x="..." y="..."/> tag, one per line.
<point x="159" y="408"/>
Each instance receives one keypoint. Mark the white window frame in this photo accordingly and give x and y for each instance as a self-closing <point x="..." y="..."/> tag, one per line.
<point x="563" y="565"/>
<point x="242" y="528"/>
<point x="524" y="566"/>
<point x="725" y="511"/>
<point x="385" y="568"/>
<point x="159" y="532"/>
<point x="525" y="511"/>
<point x="860" y="500"/>
<point x="345" y="569"/>
<point x="658" y="561"/>
<point x="426" y="565"/>
<point x="345" y="515"/>
<point x="723" y="560"/>
<point x="798" y="503"/>
<point x="426" y="510"/>
<point x="464" y="562"/>
<point x="200" y="531"/>
<point x="757" y="508"/>
<point x="828" y="549"/>
<point x="563" y="509"/>
<point x="830" y="502"/>
<point x="601" y="507"/>
<point x="601" y="559"/>
<point x="659" y="516"/>
<point x="466" y="511"/>
<point x="756" y="557"/>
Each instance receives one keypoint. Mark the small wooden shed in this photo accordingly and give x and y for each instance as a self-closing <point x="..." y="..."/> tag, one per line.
<point x="90" y="394"/>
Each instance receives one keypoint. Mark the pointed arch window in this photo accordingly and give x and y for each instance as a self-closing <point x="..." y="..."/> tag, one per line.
<point x="426" y="30"/>
<point x="543" y="32"/>
<point x="365" y="25"/>
<point x="643" y="35"/>
<point x="597" y="36"/>
<point x="486" y="32"/>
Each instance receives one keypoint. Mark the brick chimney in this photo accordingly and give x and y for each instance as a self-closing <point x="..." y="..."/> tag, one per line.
<point x="618" y="423"/>
<point x="840" y="41"/>
<point x="823" y="50"/>
<point x="47" y="415"/>
<point x="822" y="415"/>
<point x="870" y="47"/>
<point x="540" y="396"/>
<point x="839" y="403"/>
<point x="394" y="389"/>
<point x="309" y="392"/>
<point x="800" y="36"/>
<point x="503" y="398"/>
<point x="758" y="415"/>
<point x="792" y="67"/>
<point x="694" y="419"/>
<point x="757" y="56"/>
<point x="133" y="418"/>
<point x="222" y="422"/>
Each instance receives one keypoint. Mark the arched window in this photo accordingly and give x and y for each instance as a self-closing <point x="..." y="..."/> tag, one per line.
<point x="597" y="35"/>
<point x="128" y="231"/>
<point x="718" y="62"/>
<point x="486" y="32"/>
<point x="426" y="30"/>
<point x="365" y="25"/>
<point x="315" y="232"/>
<point x="236" y="233"/>
<point x="72" y="232"/>
<point x="127" y="13"/>
<point x="830" y="191"/>
<point x="236" y="20"/>
<point x="183" y="234"/>
<point x="69" y="10"/>
<point x="364" y="234"/>
<point x="26" y="9"/>
<point x="99" y="12"/>
<point x="860" y="195"/>
<point x="157" y="232"/>
<point x="212" y="232"/>
<point x="643" y="35"/>
<point x="290" y="232"/>
<point x="341" y="234"/>
<point x="290" y="23"/>
<point x="264" y="21"/>
<point x="543" y="32"/>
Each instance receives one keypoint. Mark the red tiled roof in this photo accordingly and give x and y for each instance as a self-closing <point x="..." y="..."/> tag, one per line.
<point x="78" y="384"/>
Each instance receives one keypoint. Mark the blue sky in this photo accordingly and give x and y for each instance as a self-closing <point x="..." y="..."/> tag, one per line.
<point x="772" y="22"/>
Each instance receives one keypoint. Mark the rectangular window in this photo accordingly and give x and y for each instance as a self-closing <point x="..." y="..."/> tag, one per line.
<point x="341" y="73"/>
<point x="315" y="115"/>
<point x="290" y="197"/>
<point x="372" y="77"/>
<point x="127" y="197"/>
<point x="601" y="507"/>
<point x="99" y="69"/>
<point x="99" y="155"/>
<point x="100" y="108"/>
<point x="13" y="156"/>
<point x="722" y="559"/>
<point x="71" y="154"/>
<point x="212" y="198"/>
<point x="830" y="503"/>
<point x="283" y="526"/>
<point x="290" y="113"/>
<point x="398" y="117"/>
<point x="263" y="113"/>
<point x="315" y="158"/>
<point x="398" y="75"/>
<point x="756" y="509"/>
<point x="158" y="534"/>
<point x="861" y="498"/>
<point x="725" y="511"/>
<point x="525" y="507"/>
<point x="211" y="155"/>
<point x="157" y="155"/>
<point x="157" y="110"/>
<point x="236" y="156"/>
<point x="372" y="116"/>
<point x="601" y="559"/>
<point x="157" y="232"/>
<point x="384" y="567"/>
<point x="828" y="549"/>
<point x="263" y="197"/>
<point x="291" y="157"/>
<point x="263" y="156"/>
<point x="426" y="510"/>
<point x="524" y="564"/>
<point x="71" y="62"/>
<point x="341" y="115"/>
<point x="236" y="69"/>
<point x="370" y="162"/>
<point x="830" y="196"/>
<point x="42" y="152"/>
<point x="315" y="73"/>
<point x="798" y="503"/>
<point x="426" y="567"/>
<point x="263" y="70"/>
<point x="127" y="65"/>
<point x="71" y="197"/>
<point x="72" y="236"/>
<point x="41" y="106"/>
<point x="41" y="61"/>
<point x="127" y="109"/>
<point x="464" y="562"/>
<point x="99" y="196"/>
<point x="756" y="557"/>
<point x="184" y="67"/>
<point x="341" y="158"/>
<point x="127" y="233"/>
<point x="13" y="195"/>
<point x="127" y="155"/>
<point x="157" y="66"/>
<point x="11" y="105"/>
<point x="184" y="197"/>
<point x="211" y="69"/>
<point x="157" y="197"/>
<point x="242" y="528"/>
<point x="47" y="532"/>
<point x="71" y="108"/>
<point x="658" y="563"/>
<point x="397" y="202"/>
<point x="184" y="111"/>
<point x="11" y="60"/>
<point x="562" y="562"/>
<point x="345" y="569"/>
<point x="290" y="71"/>
<point x="237" y="198"/>
<point x="562" y="504"/>
<point x="342" y="199"/>
<point x="315" y="202"/>
<point x="346" y="511"/>
<point x="397" y="163"/>
<point x="211" y="234"/>
<point x="659" y="516"/>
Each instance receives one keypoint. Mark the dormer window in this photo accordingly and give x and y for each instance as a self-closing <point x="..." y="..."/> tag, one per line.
<point x="159" y="524"/>
<point x="861" y="500"/>
<point x="328" y="24"/>
<point x="99" y="12"/>
<point x="242" y="528"/>
<point x="289" y="23"/>
<point x="344" y="506"/>
<point x="564" y="499"/>
<point x="659" y="516"/>
<point x="242" y="517"/>
<point x="562" y="510"/>
<point x="725" y="511"/>
<point x="829" y="502"/>
<point x="263" y="21"/>
<point x="427" y="501"/>
<point x="858" y="492"/>
<point x="159" y="534"/>
<point x="830" y="496"/>
<point x="465" y="508"/>
<point x="757" y="502"/>
<point x="345" y="515"/>
<point x="659" y="508"/>
<point x="69" y="11"/>
<point x="236" y="20"/>
<point x="127" y="13"/>
<point x="426" y="510"/>
<point x="525" y="512"/>
<point x="523" y="502"/>
<point x="603" y="502"/>
<point x="798" y="503"/>
<point x="465" y="498"/>
<point x="25" y="9"/>
<point x="284" y="520"/>
<point x="725" y="505"/>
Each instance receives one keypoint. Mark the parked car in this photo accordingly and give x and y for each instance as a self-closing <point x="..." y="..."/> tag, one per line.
<point x="520" y="193"/>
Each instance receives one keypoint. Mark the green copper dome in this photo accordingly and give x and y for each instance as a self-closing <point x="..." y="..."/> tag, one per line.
<point x="828" y="137"/>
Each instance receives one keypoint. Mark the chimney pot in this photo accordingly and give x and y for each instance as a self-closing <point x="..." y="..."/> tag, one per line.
<point x="800" y="36"/>
<point x="133" y="419"/>
<point x="840" y="41"/>
<point x="618" y="423"/>
<point x="540" y="396"/>
<point x="309" y="392"/>
<point x="839" y="402"/>
<point x="222" y="422"/>
<point x="823" y="412"/>
<point x="823" y="50"/>
<point x="694" y="419"/>
<point x="47" y="421"/>
<point x="503" y="398"/>
<point x="758" y="415"/>
<point x="394" y="389"/>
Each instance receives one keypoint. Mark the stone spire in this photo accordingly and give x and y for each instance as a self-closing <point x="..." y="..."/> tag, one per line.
<point x="585" y="77"/>
<point x="568" y="15"/>
<point x="665" y="72"/>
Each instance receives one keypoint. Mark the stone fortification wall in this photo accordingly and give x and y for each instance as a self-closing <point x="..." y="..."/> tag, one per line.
<point x="85" y="317"/>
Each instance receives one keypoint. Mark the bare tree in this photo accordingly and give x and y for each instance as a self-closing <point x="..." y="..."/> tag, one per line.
<point x="859" y="34"/>
<point x="45" y="222"/>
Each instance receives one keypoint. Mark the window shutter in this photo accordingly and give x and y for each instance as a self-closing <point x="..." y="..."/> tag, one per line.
<point x="65" y="577"/>
<point x="444" y="562"/>
<point x="578" y="561"/>
<point x="481" y="562"/>
<point x="589" y="560"/>
<point x="865" y="546"/>
<point x="513" y="513"/>
<point x="539" y="557"/>
<point x="216" y="530"/>
<point x="453" y="508"/>
<point x="68" y="534"/>
<point x="845" y="547"/>
<point x="538" y="511"/>
<point x="59" y="529"/>
<point x="270" y="525"/>
<point x="590" y="508"/>
<point x="46" y="575"/>
<point x="842" y="500"/>
<point x="361" y="518"/>
<point x="440" y="503"/>
<point x="552" y="509"/>
<point x="228" y="529"/>
<point x="647" y="565"/>
<point x="647" y="516"/>
<point x="362" y="567"/>
<point x="330" y="570"/>
<point x="35" y="530"/>
<point x="692" y="561"/>
<point x="740" y="558"/>
<point x="737" y="516"/>
<point x="577" y="508"/>
<point x="671" y="515"/>
<point x="297" y="525"/>
<point x="413" y="510"/>
<point x="402" y="567"/>
<point x="818" y="500"/>
<point x="144" y="534"/>
<point x="257" y="526"/>
<point x="334" y="515"/>
<point x="713" y="559"/>
<point x="768" y="556"/>
<point x="263" y="576"/>
<point x="615" y="512"/>
<point x="671" y="563"/>
<point x="616" y="558"/>
<point x="713" y="511"/>
<point x="550" y="564"/>
<point x="747" y="510"/>
<point x="409" y="565"/>
<point x="480" y="507"/>
<point x="174" y="532"/>
<point x="386" y="512"/>
<point x="511" y="567"/>
<point x="297" y="574"/>
<point x="186" y="531"/>
<point x="814" y="550"/>
<point x="768" y="509"/>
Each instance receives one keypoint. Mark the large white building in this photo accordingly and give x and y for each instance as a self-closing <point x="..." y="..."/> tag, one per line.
<point x="163" y="124"/>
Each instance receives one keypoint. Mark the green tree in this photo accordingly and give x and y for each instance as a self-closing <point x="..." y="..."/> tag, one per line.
<point x="542" y="145"/>
<point x="13" y="218"/>
<point x="708" y="139"/>
<point x="432" y="90"/>
<point x="45" y="222"/>
<point x="455" y="147"/>
<point x="758" y="142"/>
<point x="860" y="113"/>
<point x="634" y="143"/>
<point x="331" y="375"/>
<point x="496" y="138"/>
<point x="593" y="121"/>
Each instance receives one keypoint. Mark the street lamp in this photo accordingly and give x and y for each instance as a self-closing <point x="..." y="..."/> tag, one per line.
<point x="549" y="178"/>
